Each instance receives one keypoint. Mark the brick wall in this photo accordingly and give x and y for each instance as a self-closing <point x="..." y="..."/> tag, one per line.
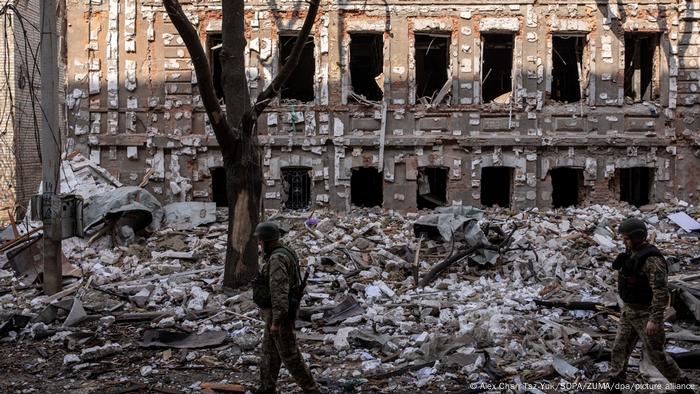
<point x="20" y="166"/>
<point x="28" y="119"/>
<point x="7" y="134"/>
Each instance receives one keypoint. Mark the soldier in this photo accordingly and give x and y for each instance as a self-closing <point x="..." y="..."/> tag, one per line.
<point x="276" y="291"/>
<point x="643" y="286"/>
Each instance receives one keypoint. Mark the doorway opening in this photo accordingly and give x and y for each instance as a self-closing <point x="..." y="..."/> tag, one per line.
<point x="496" y="186"/>
<point x="635" y="185"/>
<point x="432" y="187"/>
<point x="218" y="186"/>
<point x="366" y="185"/>
<point x="567" y="184"/>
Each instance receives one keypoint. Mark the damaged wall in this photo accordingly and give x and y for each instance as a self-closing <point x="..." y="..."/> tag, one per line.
<point x="134" y="106"/>
<point x="20" y="108"/>
<point x="20" y="168"/>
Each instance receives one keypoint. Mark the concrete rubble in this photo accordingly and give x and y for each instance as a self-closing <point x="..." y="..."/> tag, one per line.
<point x="530" y="299"/>
<point x="364" y="322"/>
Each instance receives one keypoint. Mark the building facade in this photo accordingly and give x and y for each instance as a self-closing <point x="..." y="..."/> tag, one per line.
<point x="404" y="104"/>
<point x="20" y="114"/>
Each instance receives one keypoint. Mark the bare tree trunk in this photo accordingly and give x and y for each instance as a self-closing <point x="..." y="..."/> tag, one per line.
<point x="243" y="188"/>
<point x="237" y="135"/>
<point x="233" y="62"/>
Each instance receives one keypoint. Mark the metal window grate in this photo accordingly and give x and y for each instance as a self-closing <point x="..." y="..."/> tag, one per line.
<point x="297" y="187"/>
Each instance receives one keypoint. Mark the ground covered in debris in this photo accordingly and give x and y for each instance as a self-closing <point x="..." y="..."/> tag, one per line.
<point x="490" y="297"/>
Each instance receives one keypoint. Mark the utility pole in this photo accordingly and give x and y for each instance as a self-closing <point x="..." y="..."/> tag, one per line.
<point x="50" y="142"/>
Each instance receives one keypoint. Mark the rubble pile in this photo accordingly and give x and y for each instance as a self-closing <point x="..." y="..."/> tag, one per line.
<point x="436" y="301"/>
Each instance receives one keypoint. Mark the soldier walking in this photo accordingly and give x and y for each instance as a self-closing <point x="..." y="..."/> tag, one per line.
<point x="277" y="291"/>
<point x="643" y="286"/>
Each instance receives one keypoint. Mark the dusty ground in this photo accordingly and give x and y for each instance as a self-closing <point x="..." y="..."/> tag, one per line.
<point x="36" y="366"/>
<point x="476" y="324"/>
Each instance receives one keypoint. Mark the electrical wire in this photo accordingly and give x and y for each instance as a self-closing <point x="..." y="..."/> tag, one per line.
<point x="20" y="69"/>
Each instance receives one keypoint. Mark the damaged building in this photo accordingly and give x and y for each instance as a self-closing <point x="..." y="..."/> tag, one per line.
<point x="20" y="110"/>
<point x="19" y="174"/>
<point x="403" y="105"/>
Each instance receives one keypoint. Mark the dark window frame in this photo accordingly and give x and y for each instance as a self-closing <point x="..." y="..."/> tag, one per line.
<point x="643" y="85"/>
<point x="368" y="73"/>
<point x="430" y="85"/>
<point x="297" y="187"/>
<point x="213" y="42"/>
<point x="568" y="75"/>
<point x="307" y="92"/>
<point x="489" y="80"/>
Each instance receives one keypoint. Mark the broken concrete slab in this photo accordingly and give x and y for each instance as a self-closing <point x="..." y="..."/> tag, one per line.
<point x="347" y="308"/>
<point x="180" y="340"/>
<point x="684" y="221"/>
<point x="565" y="369"/>
<point x="188" y="215"/>
<point x="169" y="254"/>
<point x="100" y="352"/>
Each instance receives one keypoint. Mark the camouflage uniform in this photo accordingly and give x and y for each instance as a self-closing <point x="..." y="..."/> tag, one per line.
<point x="633" y="321"/>
<point x="282" y="347"/>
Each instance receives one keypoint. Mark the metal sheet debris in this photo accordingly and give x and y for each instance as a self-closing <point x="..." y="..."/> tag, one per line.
<point x="188" y="215"/>
<point x="685" y="222"/>
<point x="130" y="204"/>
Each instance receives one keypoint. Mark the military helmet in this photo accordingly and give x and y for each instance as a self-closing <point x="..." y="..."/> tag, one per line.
<point x="633" y="226"/>
<point x="267" y="231"/>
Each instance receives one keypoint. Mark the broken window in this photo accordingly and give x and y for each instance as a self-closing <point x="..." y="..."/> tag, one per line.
<point x="567" y="56"/>
<point x="497" y="67"/>
<point x="432" y="187"/>
<point x="300" y="85"/>
<point x="496" y="186"/>
<point x="432" y="64"/>
<point x="635" y="185"/>
<point x="366" y="185"/>
<point x="567" y="186"/>
<point x="214" y="43"/>
<point x="218" y="186"/>
<point x="641" y="52"/>
<point x="366" y="65"/>
<point x="296" y="183"/>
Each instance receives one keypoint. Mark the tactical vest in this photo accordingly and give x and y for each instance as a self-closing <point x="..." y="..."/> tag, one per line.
<point x="261" y="285"/>
<point x="632" y="283"/>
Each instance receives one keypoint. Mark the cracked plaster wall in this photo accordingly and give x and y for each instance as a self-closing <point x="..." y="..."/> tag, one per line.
<point x="133" y="103"/>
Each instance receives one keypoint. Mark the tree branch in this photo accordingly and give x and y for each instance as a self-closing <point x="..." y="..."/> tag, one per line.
<point x="275" y="86"/>
<point x="431" y="275"/>
<point x="205" y="82"/>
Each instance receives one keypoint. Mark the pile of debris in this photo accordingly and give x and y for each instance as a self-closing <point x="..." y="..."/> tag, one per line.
<point x="394" y="302"/>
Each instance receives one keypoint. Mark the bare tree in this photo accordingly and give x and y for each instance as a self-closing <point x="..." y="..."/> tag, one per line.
<point x="236" y="133"/>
